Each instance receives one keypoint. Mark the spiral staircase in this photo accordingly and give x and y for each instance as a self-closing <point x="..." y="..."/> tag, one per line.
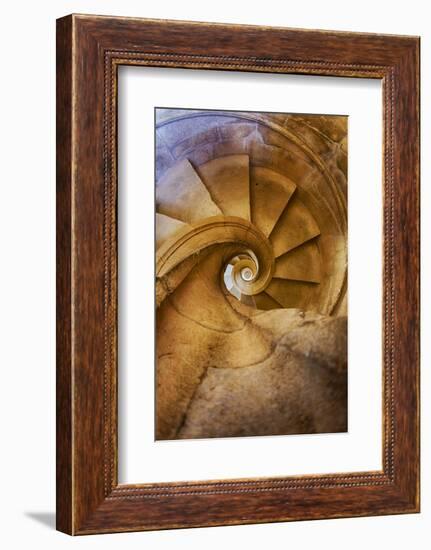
<point x="257" y="208"/>
<point x="251" y="229"/>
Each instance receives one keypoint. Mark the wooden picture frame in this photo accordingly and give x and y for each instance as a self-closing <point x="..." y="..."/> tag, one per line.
<point x="89" y="52"/>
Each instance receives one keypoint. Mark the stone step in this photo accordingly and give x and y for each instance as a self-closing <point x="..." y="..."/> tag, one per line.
<point x="228" y="181"/>
<point x="295" y="226"/>
<point x="266" y="302"/>
<point x="247" y="300"/>
<point x="167" y="228"/>
<point x="293" y="294"/>
<point x="182" y="195"/>
<point x="300" y="264"/>
<point x="269" y="194"/>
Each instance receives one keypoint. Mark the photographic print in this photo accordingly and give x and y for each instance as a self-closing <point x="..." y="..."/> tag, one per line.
<point x="251" y="273"/>
<point x="203" y="382"/>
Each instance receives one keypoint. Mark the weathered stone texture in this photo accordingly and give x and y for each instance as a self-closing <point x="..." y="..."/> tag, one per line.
<point x="300" y="388"/>
<point x="266" y="193"/>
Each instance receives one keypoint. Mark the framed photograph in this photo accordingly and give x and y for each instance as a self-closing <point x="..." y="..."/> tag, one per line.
<point x="237" y="274"/>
